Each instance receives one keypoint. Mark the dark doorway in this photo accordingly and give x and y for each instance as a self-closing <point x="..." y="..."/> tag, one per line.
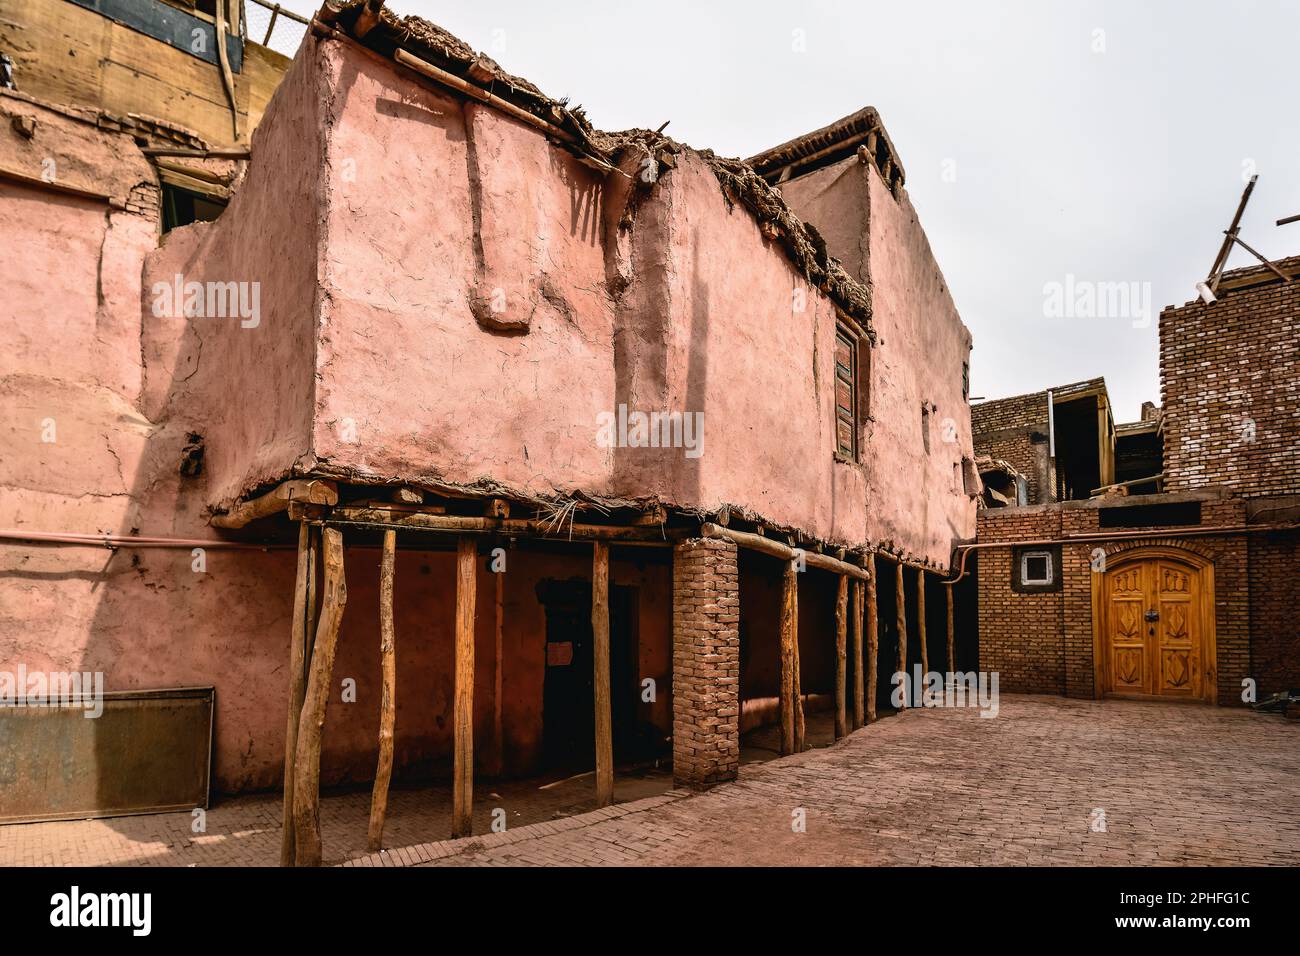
<point x="568" y="694"/>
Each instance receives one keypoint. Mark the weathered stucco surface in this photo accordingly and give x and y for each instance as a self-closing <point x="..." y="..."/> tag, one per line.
<point x="429" y="216"/>
<point x="915" y="491"/>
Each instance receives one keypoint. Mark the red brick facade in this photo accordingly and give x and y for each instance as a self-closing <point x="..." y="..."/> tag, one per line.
<point x="1274" y="602"/>
<point x="706" y="662"/>
<point x="1230" y="381"/>
<point x="1043" y="643"/>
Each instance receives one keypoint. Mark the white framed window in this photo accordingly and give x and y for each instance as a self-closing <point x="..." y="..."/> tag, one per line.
<point x="1036" y="569"/>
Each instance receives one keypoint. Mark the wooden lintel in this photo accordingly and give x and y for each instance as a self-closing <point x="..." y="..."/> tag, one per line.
<point x="302" y="490"/>
<point x="422" y="519"/>
<point x="783" y="552"/>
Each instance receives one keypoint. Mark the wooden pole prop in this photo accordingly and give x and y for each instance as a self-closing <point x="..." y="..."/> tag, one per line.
<point x="789" y="625"/>
<point x="859" y="690"/>
<point x="873" y="644"/>
<point x="600" y="640"/>
<point x="462" y="823"/>
<point x="388" y="700"/>
<point x="306" y="785"/>
<point x="952" y="654"/>
<point x="841" y="659"/>
<point x="799" y="736"/>
<point x="901" y="609"/>
<point x="920" y="622"/>
<point x="304" y="610"/>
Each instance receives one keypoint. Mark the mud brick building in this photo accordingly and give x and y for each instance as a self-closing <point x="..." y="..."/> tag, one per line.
<point x="342" y="419"/>
<point x="1189" y="593"/>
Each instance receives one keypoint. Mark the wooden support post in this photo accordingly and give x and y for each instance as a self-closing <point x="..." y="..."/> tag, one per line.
<point x="388" y="698"/>
<point x="873" y="643"/>
<point x="498" y="676"/>
<point x="304" y="613"/>
<point x="799" y="734"/>
<point x="841" y="659"/>
<point x="859" y="690"/>
<point x="600" y="644"/>
<point x="901" y="609"/>
<point x="952" y="653"/>
<point x="462" y="823"/>
<point x="920" y="621"/>
<point x="789" y="629"/>
<point x="306" y="784"/>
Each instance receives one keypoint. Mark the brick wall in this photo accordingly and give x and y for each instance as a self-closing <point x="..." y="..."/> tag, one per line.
<point x="1022" y="453"/>
<point x="1043" y="643"/>
<point x="1274" y="601"/>
<point x="1019" y="411"/>
<point x="706" y="662"/>
<point x="1230" y="381"/>
<point x="1020" y="634"/>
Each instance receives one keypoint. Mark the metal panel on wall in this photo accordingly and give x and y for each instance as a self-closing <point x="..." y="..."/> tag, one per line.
<point x="149" y="751"/>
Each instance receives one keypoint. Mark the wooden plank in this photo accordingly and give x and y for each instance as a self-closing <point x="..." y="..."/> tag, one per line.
<point x="952" y="653"/>
<point x="873" y="644"/>
<point x="841" y="658"/>
<point x="462" y="823"/>
<point x="304" y="611"/>
<point x="600" y="644"/>
<point x="306" y="785"/>
<point x="388" y="696"/>
<point x="789" y="625"/>
<point x="901" y="609"/>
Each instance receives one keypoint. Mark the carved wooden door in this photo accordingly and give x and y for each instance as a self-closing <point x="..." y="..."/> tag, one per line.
<point x="1153" y="636"/>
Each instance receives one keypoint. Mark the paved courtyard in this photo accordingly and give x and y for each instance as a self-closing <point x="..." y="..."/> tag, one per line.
<point x="1171" y="783"/>
<point x="1047" y="782"/>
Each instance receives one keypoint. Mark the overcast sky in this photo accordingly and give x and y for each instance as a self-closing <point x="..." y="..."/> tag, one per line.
<point x="1107" y="141"/>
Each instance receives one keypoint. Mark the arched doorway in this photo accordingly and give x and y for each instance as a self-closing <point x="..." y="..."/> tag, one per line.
<point x="1153" y="625"/>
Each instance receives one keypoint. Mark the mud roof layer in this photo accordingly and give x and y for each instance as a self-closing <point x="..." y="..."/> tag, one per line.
<point x="385" y="33"/>
<point x="831" y="144"/>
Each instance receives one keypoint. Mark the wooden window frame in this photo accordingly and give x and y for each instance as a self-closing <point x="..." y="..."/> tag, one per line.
<point x="856" y="378"/>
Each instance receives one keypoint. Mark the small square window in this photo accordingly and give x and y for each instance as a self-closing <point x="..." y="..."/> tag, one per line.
<point x="1036" y="568"/>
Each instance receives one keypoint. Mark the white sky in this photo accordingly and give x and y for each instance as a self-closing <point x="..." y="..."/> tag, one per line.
<point x="1118" y="165"/>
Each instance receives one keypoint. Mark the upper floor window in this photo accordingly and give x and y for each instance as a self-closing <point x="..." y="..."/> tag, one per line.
<point x="851" y="358"/>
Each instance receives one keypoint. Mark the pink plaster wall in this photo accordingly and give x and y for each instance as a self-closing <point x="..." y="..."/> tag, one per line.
<point x="438" y="213"/>
<point x="916" y="498"/>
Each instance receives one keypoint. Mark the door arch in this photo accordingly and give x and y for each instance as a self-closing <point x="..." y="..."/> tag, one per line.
<point x="1153" y="625"/>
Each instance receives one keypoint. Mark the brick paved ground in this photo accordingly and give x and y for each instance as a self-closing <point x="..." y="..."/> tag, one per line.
<point x="245" y="831"/>
<point x="1179" y="784"/>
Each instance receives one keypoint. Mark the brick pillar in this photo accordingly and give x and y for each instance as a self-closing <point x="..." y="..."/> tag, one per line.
<point x="706" y="662"/>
